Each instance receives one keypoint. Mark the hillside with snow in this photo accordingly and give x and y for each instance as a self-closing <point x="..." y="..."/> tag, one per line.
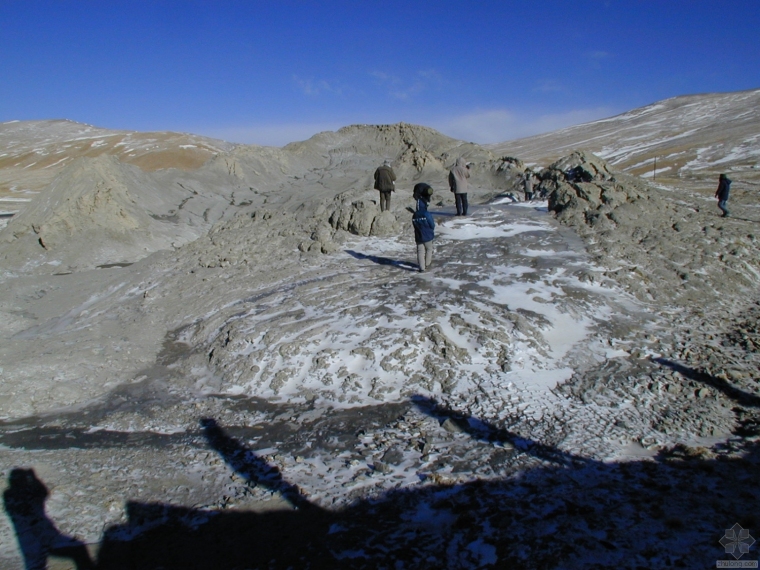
<point x="692" y="137"/>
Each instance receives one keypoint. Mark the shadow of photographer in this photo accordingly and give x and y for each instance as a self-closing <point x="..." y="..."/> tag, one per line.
<point x="37" y="536"/>
<point x="594" y="510"/>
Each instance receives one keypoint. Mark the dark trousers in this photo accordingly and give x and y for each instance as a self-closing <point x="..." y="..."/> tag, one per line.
<point x="385" y="201"/>
<point x="461" y="200"/>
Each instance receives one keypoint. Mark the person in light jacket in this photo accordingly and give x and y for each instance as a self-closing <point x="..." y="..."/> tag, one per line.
<point x="528" y="185"/>
<point x="458" y="176"/>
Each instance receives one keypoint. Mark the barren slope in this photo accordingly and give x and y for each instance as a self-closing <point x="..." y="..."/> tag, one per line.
<point x="33" y="153"/>
<point x="692" y="137"/>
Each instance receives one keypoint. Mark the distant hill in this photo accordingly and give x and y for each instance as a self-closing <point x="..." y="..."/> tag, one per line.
<point x="32" y="153"/>
<point x="692" y="137"/>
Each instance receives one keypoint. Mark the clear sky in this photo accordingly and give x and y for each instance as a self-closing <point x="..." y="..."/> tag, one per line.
<point x="277" y="71"/>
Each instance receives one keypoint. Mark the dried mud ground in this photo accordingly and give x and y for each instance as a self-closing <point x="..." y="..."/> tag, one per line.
<point x="216" y="492"/>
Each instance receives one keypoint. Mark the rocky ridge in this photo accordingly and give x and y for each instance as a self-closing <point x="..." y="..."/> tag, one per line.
<point x="35" y="152"/>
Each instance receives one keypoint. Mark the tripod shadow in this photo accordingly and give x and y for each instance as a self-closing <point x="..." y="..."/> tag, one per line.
<point x="739" y="396"/>
<point x="486" y="432"/>
<point x="250" y="466"/>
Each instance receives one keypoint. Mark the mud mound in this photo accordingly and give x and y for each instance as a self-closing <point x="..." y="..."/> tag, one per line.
<point x="330" y="176"/>
<point x="377" y="140"/>
<point x="97" y="211"/>
<point x="89" y="198"/>
<point x="262" y="238"/>
<point x="416" y="152"/>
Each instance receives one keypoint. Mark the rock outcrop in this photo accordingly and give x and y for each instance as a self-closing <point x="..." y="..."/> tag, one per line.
<point x="646" y="239"/>
<point x="582" y="185"/>
<point x="362" y="217"/>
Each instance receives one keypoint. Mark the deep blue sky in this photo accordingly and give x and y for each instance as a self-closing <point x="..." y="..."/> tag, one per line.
<point x="278" y="71"/>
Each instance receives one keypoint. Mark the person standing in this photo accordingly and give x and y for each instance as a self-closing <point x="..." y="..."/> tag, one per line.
<point x="528" y="185"/>
<point x="424" y="227"/>
<point x="385" y="182"/>
<point x="724" y="186"/>
<point x="458" y="176"/>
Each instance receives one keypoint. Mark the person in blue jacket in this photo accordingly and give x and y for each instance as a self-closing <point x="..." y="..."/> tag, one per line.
<point x="724" y="186"/>
<point x="424" y="226"/>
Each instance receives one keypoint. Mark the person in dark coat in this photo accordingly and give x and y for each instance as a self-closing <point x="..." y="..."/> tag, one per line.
<point x="424" y="226"/>
<point x="385" y="181"/>
<point x="724" y="187"/>
<point x="458" y="176"/>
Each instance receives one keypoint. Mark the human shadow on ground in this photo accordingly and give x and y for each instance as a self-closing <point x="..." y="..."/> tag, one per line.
<point x="405" y="265"/>
<point x="732" y="217"/>
<point x="739" y="396"/>
<point x="37" y="536"/>
<point x="559" y="511"/>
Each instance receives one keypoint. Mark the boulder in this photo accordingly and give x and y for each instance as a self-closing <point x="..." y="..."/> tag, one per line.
<point x="363" y="213"/>
<point x="581" y="166"/>
<point x="384" y="224"/>
<point x="362" y="217"/>
<point x="582" y="182"/>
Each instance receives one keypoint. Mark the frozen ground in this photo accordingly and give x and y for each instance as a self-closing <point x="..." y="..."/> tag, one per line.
<point x="440" y="406"/>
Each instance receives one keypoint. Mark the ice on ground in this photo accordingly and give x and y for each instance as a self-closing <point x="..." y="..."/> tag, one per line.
<point x="499" y="321"/>
<point x="461" y="229"/>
